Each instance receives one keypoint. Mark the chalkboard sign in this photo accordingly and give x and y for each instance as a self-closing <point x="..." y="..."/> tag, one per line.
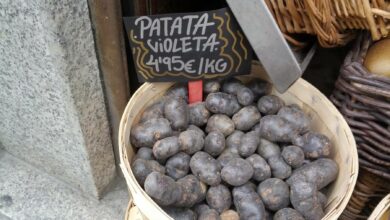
<point x="188" y="46"/>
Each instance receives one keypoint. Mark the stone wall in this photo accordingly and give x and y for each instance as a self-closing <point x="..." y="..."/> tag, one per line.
<point x="52" y="109"/>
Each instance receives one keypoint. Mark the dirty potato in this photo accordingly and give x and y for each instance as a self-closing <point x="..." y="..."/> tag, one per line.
<point x="214" y="143"/>
<point x="314" y="145"/>
<point x="206" y="168"/>
<point x="249" y="143"/>
<point x="270" y="104"/>
<point x="177" y="112"/>
<point x="198" y="114"/>
<point x="142" y="168"/>
<point x="166" y="147"/>
<point x="293" y="156"/>
<point x="246" y="118"/>
<point x="237" y="172"/>
<point x="261" y="169"/>
<point x="147" y="133"/>
<point x="193" y="191"/>
<point x="219" y="198"/>
<point x="222" y="103"/>
<point x="221" y="123"/>
<point x="245" y="96"/>
<point x="178" y="165"/>
<point x="191" y="141"/>
<point x="274" y="193"/>
<point x="276" y="129"/>
<point x="163" y="189"/>
<point x="279" y="168"/>
<point x="295" y="115"/>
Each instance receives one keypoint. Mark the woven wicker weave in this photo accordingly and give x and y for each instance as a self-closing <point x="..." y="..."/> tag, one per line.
<point x="363" y="99"/>
<point x="333" y="21"/>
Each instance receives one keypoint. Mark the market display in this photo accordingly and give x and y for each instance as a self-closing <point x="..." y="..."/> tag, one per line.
<point x="240" y="154"/>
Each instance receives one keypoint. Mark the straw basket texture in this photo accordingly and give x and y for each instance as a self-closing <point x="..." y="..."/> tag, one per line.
<point x="362" y="98"/>
<point x="333" y="21"/>
<point x="382" y="210"/>
<point x="325" y="119"/>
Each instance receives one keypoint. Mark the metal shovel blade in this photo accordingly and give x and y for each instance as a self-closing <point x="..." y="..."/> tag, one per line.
<point x="266" y="39"/>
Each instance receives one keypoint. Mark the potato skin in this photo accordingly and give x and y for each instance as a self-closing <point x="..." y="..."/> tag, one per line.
<point x="229" y="215"/>
<point x="249" y="143"/>
<point x="232" y="86"/>
<point x="191" y="141"/>
<point x="144" y="153"/>
<point x="279" y="168"/>
<point x="321" y="172"/>
<point x="211" y="86"/>
<point x="233" y="141"/>
<point x="180" y="213"/>
<point x="163" y="189"/>
<point x="269" y="104"/>
<point x="259" y="88"/>
<point x="222" y="103"/>
<point x="193" y="191"/>
<point x="166" y="147"/>
<point x="288" y="214"/>
<point x="276" y="129"/>
<point x="221" y="123"/>
<point x="246" y="118"/>
<point x="304" y="199"/>
<point x="147" y="133"/>
<point x="155" y="110"/>
<point x="206" y="168"/>
<point x="226" y="156"/>
<point x="178" y="165"/>
<point x="214" y="143"/>
<point x="177" y="91"/>
<point x="196" y="128"/>
<point x="293" y="156"/>
<point x="204" y="212"/>
<point x="198" y="114"/>
<point x="295" y="115"/>
<point x="245" y="96"/>
<point x="142" y="168"/>
<point x="322" y="198"/>
<point x="237" y="172"/>
<point x="261" y="169"/>
<point x="177" y="112"/>
<point x="274" y="193"/>
<point x="268" y="149"/>
<point x="219" y="198"/>
<point x="314" y="145"/>
<point x="248" y="203"/>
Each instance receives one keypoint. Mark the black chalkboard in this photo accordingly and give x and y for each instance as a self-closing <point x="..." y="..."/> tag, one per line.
<point x="188" y="46"/>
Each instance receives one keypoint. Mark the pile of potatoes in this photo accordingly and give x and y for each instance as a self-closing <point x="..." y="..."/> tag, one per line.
<point x="240" y="154"/>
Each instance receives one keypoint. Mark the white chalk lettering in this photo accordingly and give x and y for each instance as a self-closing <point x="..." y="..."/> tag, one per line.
<point x="143" y="26"/>
<point x="202" y="24"/>
<point x="211" y="43"/>
<point x="176" y="26"/>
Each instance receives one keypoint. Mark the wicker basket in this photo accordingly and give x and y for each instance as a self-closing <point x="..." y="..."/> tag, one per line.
<point x="333" y="21"/>
<point x="325" y="119"/>
<point x="362" y="98"/>
<point x="382" y="210"/>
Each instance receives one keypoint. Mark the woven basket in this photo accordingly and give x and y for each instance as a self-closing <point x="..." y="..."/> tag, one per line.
<point x="363" y="99"/>
<point x="333" y="21"/>
<point x="325" y="119"/>
<point x="382" y="210"/>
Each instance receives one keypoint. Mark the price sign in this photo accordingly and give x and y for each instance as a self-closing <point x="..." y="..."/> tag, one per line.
<point x="188" y="46"/>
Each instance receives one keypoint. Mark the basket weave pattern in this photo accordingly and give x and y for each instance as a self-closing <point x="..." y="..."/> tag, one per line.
<point x="363" y="99"/>
<point x="333" y="21"/>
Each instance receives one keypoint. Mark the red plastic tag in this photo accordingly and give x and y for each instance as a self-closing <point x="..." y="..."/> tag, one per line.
<point x="195" y="91"/>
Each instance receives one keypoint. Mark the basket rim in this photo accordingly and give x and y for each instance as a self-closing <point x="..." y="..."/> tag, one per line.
<point x="333" y="214"/>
